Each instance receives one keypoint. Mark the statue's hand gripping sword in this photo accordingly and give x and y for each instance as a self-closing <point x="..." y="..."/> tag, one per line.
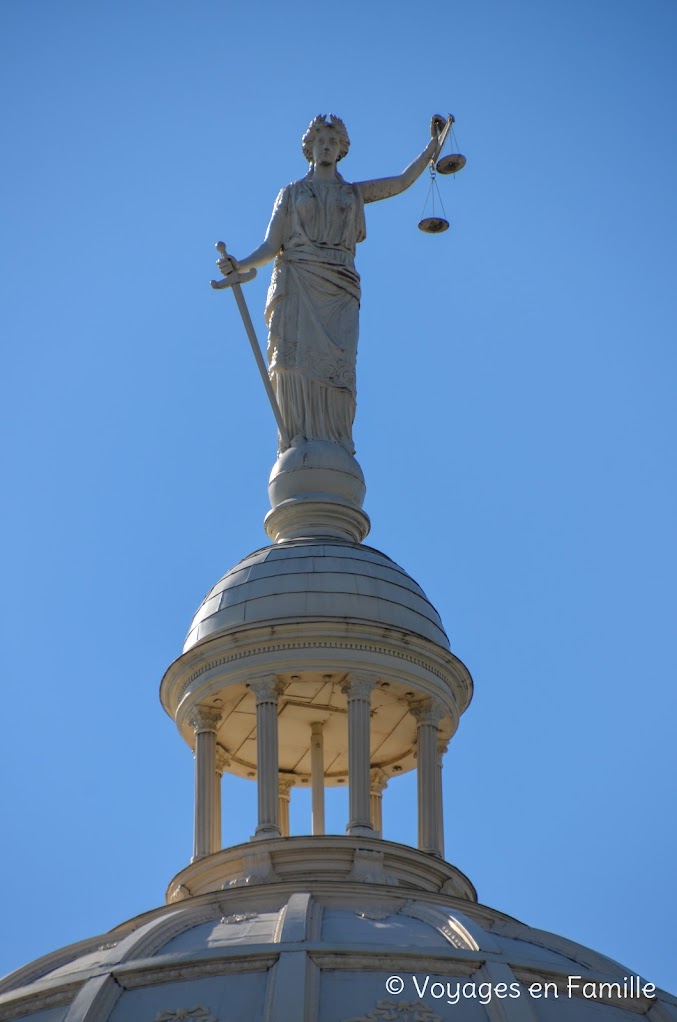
<point x="234" y="280"/>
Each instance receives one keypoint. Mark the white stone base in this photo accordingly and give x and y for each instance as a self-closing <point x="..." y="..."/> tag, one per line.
<point x="316" y="489"/>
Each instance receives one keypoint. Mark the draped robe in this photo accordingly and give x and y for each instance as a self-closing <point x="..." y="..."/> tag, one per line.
<point x="312" y="310"/>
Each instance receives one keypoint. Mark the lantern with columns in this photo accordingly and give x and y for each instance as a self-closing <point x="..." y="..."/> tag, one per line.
<point x="313" y="663"/>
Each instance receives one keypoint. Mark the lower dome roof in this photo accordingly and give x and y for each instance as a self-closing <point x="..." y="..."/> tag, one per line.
<point x="347" y="951"/>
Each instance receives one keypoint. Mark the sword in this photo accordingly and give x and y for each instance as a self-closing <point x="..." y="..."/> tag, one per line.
<point x="234" y="280"/>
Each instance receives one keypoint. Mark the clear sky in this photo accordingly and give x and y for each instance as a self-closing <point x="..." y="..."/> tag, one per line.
<point x="515" y="424"/>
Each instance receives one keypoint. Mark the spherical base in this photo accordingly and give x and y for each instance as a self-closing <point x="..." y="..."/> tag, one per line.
<point x="316" y="489"/>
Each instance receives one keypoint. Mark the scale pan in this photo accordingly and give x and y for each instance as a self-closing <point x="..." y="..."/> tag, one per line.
<point x="433" y="225"/>
<point x="451" y="164"/>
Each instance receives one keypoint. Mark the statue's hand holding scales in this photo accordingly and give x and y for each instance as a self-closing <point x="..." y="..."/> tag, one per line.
<point x="312" y="309"/>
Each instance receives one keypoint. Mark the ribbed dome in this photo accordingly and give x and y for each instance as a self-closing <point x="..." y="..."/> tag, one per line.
<point x="316" y="580"/>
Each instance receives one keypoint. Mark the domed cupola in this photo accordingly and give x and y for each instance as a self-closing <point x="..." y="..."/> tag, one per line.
<point x="312" y="663"/>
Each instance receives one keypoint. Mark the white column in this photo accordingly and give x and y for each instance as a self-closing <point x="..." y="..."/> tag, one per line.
<point x="428" y="716"/>
<point x="284" y="787"/>
<point x="222" y="761"/>
<point x="267" y="690"/>
<point x="317" y="777"/>
<point x="205" y="721"/>
<point x="358" y="693"/>
<point x="378" y="781"/>
<point x="442" y="747"/>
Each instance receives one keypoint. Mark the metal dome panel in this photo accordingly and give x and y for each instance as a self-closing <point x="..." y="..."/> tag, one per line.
<point x="316" y="580"/>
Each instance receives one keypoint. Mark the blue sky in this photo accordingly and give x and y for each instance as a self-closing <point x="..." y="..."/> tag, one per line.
<point x="515" y="426"/>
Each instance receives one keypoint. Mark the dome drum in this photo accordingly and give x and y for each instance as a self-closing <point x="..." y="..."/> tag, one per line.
<point x="328" y="859"/>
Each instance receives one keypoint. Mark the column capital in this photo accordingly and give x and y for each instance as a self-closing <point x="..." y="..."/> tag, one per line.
<point x="429" y="711"/>
<point x="222" y="759"/>
<point x="359" y="684"/>
<point x="205" y="718"/>
<point x="266" y="689"/>
<point x="378" y="780"/>
<point x="285" y="785"/>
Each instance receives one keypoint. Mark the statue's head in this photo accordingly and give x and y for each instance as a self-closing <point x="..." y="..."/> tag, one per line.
<point x="314" y="128"/>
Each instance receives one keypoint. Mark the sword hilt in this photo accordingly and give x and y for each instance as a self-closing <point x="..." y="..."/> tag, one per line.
<point x="233" y="277"/>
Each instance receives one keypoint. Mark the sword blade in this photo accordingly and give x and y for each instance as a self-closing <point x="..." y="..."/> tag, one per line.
<point x="260" y="362"/>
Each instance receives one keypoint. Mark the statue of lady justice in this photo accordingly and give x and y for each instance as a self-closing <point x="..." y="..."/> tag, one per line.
<point x="312" y="309"/>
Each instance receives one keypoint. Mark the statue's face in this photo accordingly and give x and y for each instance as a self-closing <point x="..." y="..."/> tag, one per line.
<point x="326" y="147"/>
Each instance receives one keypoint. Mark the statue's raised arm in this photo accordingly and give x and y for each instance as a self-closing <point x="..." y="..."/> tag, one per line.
<point x="385" y="187"/>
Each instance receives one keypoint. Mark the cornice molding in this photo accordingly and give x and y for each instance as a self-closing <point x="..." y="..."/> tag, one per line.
<point x="244" y="645"/>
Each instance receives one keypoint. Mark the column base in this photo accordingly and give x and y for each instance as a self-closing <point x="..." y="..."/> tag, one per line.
<point x="266" y="831"/>
<point x="360" y="830"/>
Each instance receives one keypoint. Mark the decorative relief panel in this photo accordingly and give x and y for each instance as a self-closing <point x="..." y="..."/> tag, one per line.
<point x="374" y="913"/>
<point x="399" y="1011"/>
<point x="197" y="1014"/>
<point x="382" y="908"/>
<point x="444" y="922"/>
<point x="368" y="868"/>
<point x="177" y="892"/>
<point x="257" y="869"/>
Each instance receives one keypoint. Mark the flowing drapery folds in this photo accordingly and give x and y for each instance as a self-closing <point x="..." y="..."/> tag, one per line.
<point x="312" y="309"/>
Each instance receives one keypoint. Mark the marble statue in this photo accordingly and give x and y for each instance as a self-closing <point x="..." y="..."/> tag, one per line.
<point x="312" y="309"/>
